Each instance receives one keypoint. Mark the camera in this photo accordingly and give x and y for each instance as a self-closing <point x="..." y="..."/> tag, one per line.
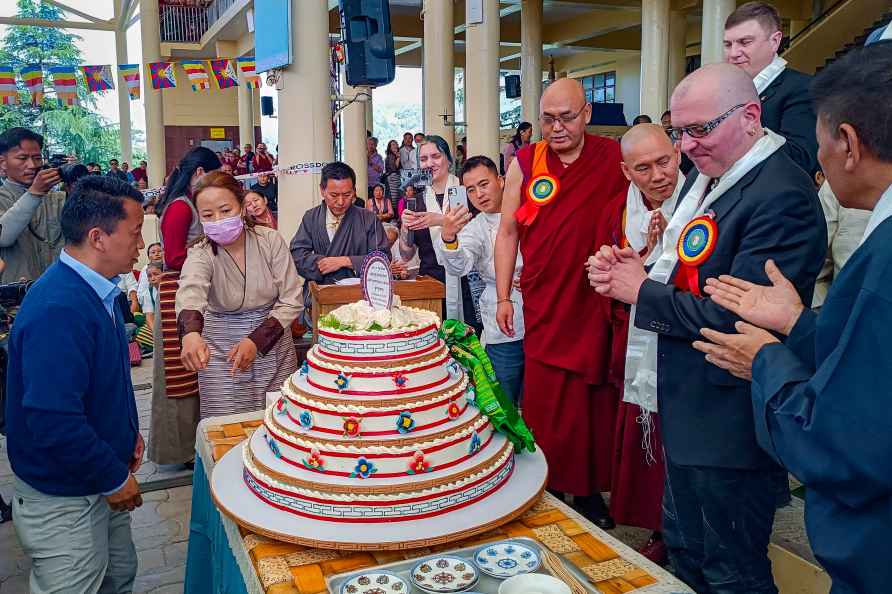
<point x="12" y="294"/>
<point x="69" y="172"/>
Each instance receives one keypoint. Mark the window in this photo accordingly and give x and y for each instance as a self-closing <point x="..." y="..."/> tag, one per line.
<point x="600" y="88"/>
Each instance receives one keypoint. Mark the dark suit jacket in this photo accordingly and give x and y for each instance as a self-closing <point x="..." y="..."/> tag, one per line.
<point x="706" y="415"/>
<point x="787" y="109"/>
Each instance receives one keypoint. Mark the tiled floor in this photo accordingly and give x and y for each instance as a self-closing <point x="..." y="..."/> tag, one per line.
<point x="161" y="525"/>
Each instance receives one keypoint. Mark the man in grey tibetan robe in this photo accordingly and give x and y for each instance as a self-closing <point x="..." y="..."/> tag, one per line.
<point x="335" y="237"/>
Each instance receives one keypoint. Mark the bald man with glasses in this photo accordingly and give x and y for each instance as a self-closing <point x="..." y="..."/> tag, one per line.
<point x="555" y="195"/>
<point x="747" y="202"/>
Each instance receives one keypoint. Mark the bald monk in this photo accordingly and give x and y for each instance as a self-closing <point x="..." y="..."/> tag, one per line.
<point x="555" y="192"/>
<point x="637" y="218"/>
<point x="751" y="203"/>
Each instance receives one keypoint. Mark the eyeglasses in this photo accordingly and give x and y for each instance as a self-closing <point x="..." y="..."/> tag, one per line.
<point x="701" y="130"/>
<point x="565" y="118"/>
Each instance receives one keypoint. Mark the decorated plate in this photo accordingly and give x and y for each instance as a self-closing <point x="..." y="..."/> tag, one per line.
<point x="375" y="582"/>
<point x="444" y="574"/>
<point x="506" y="559"/>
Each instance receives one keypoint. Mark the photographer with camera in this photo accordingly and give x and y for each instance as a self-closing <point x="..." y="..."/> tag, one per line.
<point x="30" y="234"/>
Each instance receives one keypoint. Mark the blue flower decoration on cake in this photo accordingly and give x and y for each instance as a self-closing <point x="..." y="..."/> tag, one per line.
<point x="342" y="382"/>
<point x="273" y="446"/>
<point x="305" y="419"/>
<point x="400" y="380"/>
<point x="492" y="552"/>
<point x="453" y="367"/>
<point x="475" y="443"/>
<point x="471" y="396"/>
<point x="405" y="422"/>
<point x="509" y="550"/>
<point x="304" y="368"/>
<point x="364" y="468"/>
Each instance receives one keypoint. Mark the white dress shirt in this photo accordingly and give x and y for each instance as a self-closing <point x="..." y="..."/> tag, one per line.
<point x="476" y="247"/>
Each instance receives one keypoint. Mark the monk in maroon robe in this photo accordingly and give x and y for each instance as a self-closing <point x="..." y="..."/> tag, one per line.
<point x="555" y="193"/>
<point x="637" y="217"/>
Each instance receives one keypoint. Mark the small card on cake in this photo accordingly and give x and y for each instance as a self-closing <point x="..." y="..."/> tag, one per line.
<point x="377" y="282"/>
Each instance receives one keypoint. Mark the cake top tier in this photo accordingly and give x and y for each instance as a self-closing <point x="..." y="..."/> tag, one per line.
<point x="359" y="318"/>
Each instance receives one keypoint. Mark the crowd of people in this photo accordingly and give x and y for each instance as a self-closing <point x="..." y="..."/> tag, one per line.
<point x="684" y="316"/>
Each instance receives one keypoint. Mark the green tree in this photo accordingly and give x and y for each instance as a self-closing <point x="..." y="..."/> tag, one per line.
<point x="72" y="130"/>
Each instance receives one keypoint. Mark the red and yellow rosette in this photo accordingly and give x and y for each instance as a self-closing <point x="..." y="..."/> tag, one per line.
<point x="695" y="245"/>
<point x="542" y="189"/>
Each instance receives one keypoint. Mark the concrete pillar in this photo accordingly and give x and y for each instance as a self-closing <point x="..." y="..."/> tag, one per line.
<point x="123" y="93"/>
<point x="353" y="136"/>
<point x="654" y="57"/>
<point x="482" y="83"/>
<point x="714" y="14"/>
<point x="305" y="124"/>
<point x="151" y="52"/>
<point x="438" y="68"/>
<point x="531" y="62"/>
<point x="368" y="112"/>
<point x="678" y="40"/>
<point x="245" y="112"/>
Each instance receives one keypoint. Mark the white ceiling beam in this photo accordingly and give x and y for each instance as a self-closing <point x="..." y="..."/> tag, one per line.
<point x="75" y="11"/>
<point x="15" y="21"/>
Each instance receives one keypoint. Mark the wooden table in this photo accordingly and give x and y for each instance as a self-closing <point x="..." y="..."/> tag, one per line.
<point x="423" y="293"/>
<point x="284" y="568"/>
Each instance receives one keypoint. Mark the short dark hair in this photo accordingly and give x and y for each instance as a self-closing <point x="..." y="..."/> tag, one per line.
<point x="112" y="161"/>
<point x="153" y="244"/>
<point x="478" y="161"/>
<point x="642" y="119"/>
<point x="14" y="137"/>
<point x="853" y="90"/>
<point x="95" y="201"/>
<point x="762" y="12"/>
<point x="337" y="170"/>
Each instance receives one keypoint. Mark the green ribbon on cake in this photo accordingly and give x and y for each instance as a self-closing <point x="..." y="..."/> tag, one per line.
<point x="490" y="397"/>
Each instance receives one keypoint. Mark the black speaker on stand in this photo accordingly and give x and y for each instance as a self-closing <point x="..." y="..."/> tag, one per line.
<point x="512" y="86"/>
<point x="368" y="42"/>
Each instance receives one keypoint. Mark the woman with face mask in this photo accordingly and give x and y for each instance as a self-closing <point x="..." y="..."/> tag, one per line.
<point x="175" y="388"/>
<point x="239" y="293"/>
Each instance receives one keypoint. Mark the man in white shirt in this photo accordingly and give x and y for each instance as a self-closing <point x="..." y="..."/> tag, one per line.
<point x="408" y="154"/>
<point x="469" y="245"/>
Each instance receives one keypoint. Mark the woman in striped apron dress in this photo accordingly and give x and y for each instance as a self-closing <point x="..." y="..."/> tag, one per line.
<point x="239" y="292"/>
<point x="175" y="388"/>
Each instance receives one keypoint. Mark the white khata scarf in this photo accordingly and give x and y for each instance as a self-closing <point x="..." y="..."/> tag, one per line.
<point x="769" y="73"/>
<point x="640" y="386"/>
<point x="638" y="217"/>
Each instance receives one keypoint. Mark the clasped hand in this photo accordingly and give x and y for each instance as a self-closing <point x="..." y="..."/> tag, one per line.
<point x="616" y="273"/>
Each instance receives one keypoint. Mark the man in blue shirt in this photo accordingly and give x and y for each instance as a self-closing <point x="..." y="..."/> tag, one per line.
<point x="72" y="426"/>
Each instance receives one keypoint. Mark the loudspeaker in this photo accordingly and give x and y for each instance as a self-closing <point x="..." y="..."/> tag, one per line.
<point x="607" y="114"/>
<point x="512" y="86"/>
<point x="368" y="42"/>
<point x="266" y="106"/>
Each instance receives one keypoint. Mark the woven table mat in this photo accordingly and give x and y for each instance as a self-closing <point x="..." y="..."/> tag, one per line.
<point x="286" y="568"/>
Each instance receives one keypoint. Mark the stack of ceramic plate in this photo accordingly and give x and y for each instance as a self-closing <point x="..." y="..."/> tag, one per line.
<point x="444" y="575"/>
<point x="375" y="582"/>
<point x="506" y="559"/>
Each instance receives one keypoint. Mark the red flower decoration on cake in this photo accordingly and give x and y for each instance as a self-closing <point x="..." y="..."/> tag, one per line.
<point x="314" y="461"/>
<point x="400" y="380"/>
<point x="351" y="427"/>
<point x="453" y="411"/>
<point x="418" y="464"/>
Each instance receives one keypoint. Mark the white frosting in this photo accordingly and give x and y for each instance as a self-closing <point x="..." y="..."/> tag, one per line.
<point x="349" y="497"/>
<point x="359" y="316"/>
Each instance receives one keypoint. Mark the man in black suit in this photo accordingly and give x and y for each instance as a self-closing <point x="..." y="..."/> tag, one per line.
<point x="752" y="37"/>
<point x="745" y="203"/>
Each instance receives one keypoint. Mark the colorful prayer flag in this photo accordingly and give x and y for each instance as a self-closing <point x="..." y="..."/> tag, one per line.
<point x="197" y="72"/>
<point x="9" y="94"/>
<point x="65" y="83"/>
<point x="162" y="75"/>
<point x="32" y="75"/>
<point x="248" y="68"/>
<point x="224" y="73"/>
<point x="99" y="78"/>
<point x="130" y="74"/>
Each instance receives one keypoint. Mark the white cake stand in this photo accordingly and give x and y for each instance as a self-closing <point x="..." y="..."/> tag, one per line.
<point x="233" y="497"/>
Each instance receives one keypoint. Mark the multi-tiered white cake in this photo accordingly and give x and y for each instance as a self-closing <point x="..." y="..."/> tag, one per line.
<point x="378" y="426"/>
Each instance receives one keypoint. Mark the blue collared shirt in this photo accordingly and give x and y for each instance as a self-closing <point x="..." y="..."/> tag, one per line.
<point x="106" y="289"/>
